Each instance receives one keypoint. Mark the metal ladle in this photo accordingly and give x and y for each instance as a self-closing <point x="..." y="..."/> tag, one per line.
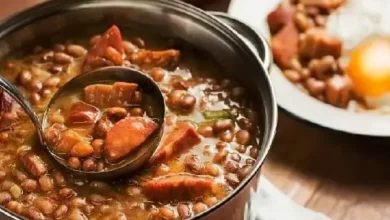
<point x="106" y="75"/>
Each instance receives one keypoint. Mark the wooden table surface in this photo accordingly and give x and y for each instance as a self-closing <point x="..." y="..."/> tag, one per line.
<point x="344" y="176"/>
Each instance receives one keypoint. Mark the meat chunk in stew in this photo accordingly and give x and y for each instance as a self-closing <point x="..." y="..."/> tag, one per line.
<point x="127" y="135"/>
<point x="107" y="51"/>
<point x="68" y="140"/>
<point x="82" y="113"/>
<point x="33" y="164"/>
<point x="181" y="139"/>
<point x="178" y="186"/>
<point x="102" y="95"/>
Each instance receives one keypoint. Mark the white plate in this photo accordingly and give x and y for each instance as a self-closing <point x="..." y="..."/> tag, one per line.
<point x="290" y="98"/>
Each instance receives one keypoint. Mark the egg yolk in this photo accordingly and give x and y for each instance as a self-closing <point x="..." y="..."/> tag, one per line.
<point x="369" y="67"/>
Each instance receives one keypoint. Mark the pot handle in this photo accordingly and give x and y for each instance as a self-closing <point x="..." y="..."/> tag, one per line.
<point x="255" y="41"/>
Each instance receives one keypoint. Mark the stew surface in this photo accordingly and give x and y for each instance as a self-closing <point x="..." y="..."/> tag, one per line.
<point x="210" y="143"/>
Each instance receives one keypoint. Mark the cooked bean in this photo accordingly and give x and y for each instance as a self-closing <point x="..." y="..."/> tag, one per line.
<point x="66" y="193"/>
<point x="74" y="162"/>
<point x="35" y="98"/>
<point x="46" y="206"/>
<point x="60" y="211"/>
<point x="76" y="214"/>
<point x="97" y="199"/>
<point x="102" y="127"/>
<point x="179" y="84"/>
<point x="52" y="135"/>
<point x="238" y="92"/>
<point x="292" y="75"/>
<point x="162" y="169"/>
<point x="245" y="124"/>
<point x="220" y="156"/>
<point x="35" y="214"/>
<point x="212" y="169"/>
<point x="223" y="125"/>
<point x="235" y="157"/>
<point x="88" y="209"/>
<point x="35" y="85"/>
<point x="59" y="178"/>
<point x="56" y="69"/>
<point x="206" y="131"/>
<point x="188" y="102"/>
<point x="76" y="50"/>
<point x="221" y="145"/>
<point x="232" y="180"/>
<point x="97" y="145"/>
<point x="166" y="213"/>
<point x="52" y="81"/>
<point x="158" y="74"/>
<point x="89" y="165"/>
<point x="175" y="97"/>
<point x="59" y="47"/>
<point x="5" y="197"/>
<point x="305" y="73"/>
<point x="210" y="201"/>
<point x="338" y="91"/>
<point x="241" y="149"/>
<point x="45" y="93"/>
<point x="30" y="185"/>
<point x="77" y="202"/>
<point x="6" y="185"/>
<point x="19" y="175"/>
<point x="244" y="171"/>
<point x="250" y="161"/>
<point x="15" y="206"/>
<point x="193" y="164"/>
<point x="116" y="112"/>
<point x="46" y="183"/>
<point x="136" y="112"/>
<point x="25" y="77"/>
<point x="94" y="39"/>
<point x="243" y="137"/>
<point x="184" y="211"/>
<point x="302" y="21"/>
<point x="4" y="137"/>
<point x="129" y="47"/>
<point x="226" y="136"/>
<point x="315" y="87"/>
<point x="231" y="166"/>
<point x="199" y="207"/>
<point x="254" y="152"/>
<point x="16" y="191"/>
<point x="62" y="58"/>
<point x="295" y="65"/>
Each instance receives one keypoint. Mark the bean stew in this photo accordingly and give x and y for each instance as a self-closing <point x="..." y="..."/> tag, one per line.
<point x="210" y="143"/>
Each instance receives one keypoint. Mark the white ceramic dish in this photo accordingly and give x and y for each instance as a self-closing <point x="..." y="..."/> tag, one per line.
<point x="290" y="98"/>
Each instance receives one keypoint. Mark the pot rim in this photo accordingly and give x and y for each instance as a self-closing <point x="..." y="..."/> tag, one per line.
<point x="50" y="8"/>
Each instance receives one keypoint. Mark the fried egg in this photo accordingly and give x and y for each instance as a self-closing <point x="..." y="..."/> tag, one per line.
<point x="363" y="27"/>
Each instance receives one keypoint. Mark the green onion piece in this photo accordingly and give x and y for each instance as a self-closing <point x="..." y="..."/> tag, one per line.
<point x="221" y="114"/>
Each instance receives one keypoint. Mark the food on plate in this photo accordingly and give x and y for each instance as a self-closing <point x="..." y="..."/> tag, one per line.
<point x="210" y="142"/>
<point x="323" y="49"/>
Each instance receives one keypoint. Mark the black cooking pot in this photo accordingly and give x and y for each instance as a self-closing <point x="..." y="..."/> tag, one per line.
<point x="244" y="55"/>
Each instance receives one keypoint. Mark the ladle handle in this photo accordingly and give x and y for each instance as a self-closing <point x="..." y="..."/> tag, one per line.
<point x="19" y="98"/>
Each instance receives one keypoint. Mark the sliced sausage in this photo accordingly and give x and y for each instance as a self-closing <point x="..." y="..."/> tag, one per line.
<point x="82" y="113"/>
<point x="151" y="59"/>
<point x="285" y="44"/>
<point x="178" y="186"/>
<point x="33" y="164"/>
<point x="181" y="139"/>
<point x="107" y="50"/>
<point x="127" y="135"/>
<point x="317" y="44"/>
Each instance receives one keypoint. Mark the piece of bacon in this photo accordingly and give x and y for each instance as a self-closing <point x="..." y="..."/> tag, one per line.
<point x="281" y="16"/>
<point x="108" y="51"/>
<point x="82" y="113"/>
<point x="285" y="44"/>
<point x="33" y="164"/>
<point x="127" y="135"/>
<point x="178" y="141"/>
<point x="181" y="186"/>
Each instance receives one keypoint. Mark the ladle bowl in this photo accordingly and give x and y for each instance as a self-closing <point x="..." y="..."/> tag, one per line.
<point x="105" y="75"/>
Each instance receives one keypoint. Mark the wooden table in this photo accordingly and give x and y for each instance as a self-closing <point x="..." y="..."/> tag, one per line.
<point x="344" y="176"/>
